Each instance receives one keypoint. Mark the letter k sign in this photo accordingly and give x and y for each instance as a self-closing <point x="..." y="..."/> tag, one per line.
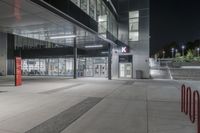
<point x="124" y="49"/>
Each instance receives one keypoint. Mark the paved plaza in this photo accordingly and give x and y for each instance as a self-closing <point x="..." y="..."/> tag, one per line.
<point x="92" y="105"/>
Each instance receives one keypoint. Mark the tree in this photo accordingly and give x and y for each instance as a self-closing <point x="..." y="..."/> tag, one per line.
<point x="190" y="55"/>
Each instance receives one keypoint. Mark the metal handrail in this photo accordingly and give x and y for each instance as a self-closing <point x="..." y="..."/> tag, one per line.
<point x="190" y="105"/>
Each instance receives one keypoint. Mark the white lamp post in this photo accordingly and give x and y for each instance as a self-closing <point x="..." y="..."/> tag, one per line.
<point x="176" y="51"/>
<point x="163" y="54"/>
<point x="198" y="49"/>
<point x="172" y="52"/>
<point x="183" y="50"/>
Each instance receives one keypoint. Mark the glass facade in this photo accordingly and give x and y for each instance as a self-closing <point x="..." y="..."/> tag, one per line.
<point x="48" y="67"/>
<point x="86" y="67"/>
<point x="92" y="10"/>
<point x="29" y="43"/>
<point x="134" y="26"/>
<point x="97" y="10"/>
<point x="84" y="5"/>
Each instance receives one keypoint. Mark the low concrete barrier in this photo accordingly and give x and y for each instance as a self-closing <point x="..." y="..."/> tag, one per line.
<point x="184" y="74"/>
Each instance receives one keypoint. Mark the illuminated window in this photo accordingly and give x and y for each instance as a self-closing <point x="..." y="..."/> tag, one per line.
<point x="84" y="5"/>
<point x="103" y="21"/>
<point x="92" y="11"/>
<point x="134" y="36"/>
<point x="134" y="26"/>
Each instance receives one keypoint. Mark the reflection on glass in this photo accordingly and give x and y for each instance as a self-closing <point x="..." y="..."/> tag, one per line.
<point x="103" y="9"/>
<point x="102" y="24"/>
<point x="134" y="26"/>
<point x="92" y="9"/>
<point x="84" y="5"/>
<point x="64" y="67"/>
<point x="53" y="67"/>
<point x="134" y="14"/>
<point x="98" y="8"/>
<point x="134" y="36"/>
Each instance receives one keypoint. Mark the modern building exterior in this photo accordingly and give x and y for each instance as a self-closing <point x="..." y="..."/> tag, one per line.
<point x="75" y="38"/>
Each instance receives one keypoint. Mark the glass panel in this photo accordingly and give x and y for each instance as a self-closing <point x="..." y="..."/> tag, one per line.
<point x="53" y="67"/>
<point x="84" y="5"/>
<point x="103" y="9"/>
<point x="33" y="65"/>
<point x="81" y="67"/>
<point x="100" y="67"/>
<point x="62" y="66"/>
<point x="89" y="67"/>
<point x="69" y="67"/>
<point x="93" y="9"/>
<point x="134" y="14"/>
<point x="133" y="24"/>
<point x="102" y="24"/>
<point x="134" y="36"/>
<point x="98" y="8"/>
<point x="128" y="70"/>
<point x="25" y="69"/>
<point x="122" y="70"/>
<point x="43" y="68"/>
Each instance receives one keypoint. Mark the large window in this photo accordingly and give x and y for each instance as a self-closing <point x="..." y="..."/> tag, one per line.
<point x="103" y="21"/>
<point x="92" y="11"/>
<point x="98" y="10"/>
<point x="134" y="26"/>
<point x="84" y="5"/>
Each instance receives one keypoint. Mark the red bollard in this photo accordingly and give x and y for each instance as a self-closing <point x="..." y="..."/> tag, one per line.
<point x="188" y="102"/>
<point x="190" y="105"/>
<point x="183" y="98"/>
<point x="196" y="110"/>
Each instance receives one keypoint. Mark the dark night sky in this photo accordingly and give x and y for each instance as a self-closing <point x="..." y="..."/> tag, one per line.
<point x="174" y="20"/>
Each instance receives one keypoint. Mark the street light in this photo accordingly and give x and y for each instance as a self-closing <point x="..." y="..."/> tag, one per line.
<point x="172" y="52"/>
<point x="198" y="49"/>
<point x="183" y="50"/>
<point x="163" y="54"/>
<point x="176" y="51"/>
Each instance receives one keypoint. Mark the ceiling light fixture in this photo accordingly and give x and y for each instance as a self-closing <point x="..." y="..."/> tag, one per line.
<point x="104" y="52"/>
<point x="61" y="37"/>
<point x="94" y="46"/>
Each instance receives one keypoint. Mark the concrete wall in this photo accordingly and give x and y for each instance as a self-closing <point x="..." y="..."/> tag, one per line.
<point x="185" y="74"/>
<point x="139" y="49"/>
<point x="3" y="54"/>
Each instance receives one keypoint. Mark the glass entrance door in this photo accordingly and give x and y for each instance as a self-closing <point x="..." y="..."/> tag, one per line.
<point x="100" y="70"/>
<point x="125" y="70"/>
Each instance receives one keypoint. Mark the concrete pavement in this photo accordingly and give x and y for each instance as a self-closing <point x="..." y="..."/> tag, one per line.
<point x="126" y="106"/>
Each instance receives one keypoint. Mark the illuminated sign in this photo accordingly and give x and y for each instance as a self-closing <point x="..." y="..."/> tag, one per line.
<point x="124" y="50"/>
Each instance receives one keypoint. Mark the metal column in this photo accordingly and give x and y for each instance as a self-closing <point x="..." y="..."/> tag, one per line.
<point x="75" y="58"/>
<point x="109" y="62"/>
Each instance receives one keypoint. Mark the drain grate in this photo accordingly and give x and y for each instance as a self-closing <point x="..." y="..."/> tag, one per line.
<point x="61" y="121"/>
<point x="3" y="91"/>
